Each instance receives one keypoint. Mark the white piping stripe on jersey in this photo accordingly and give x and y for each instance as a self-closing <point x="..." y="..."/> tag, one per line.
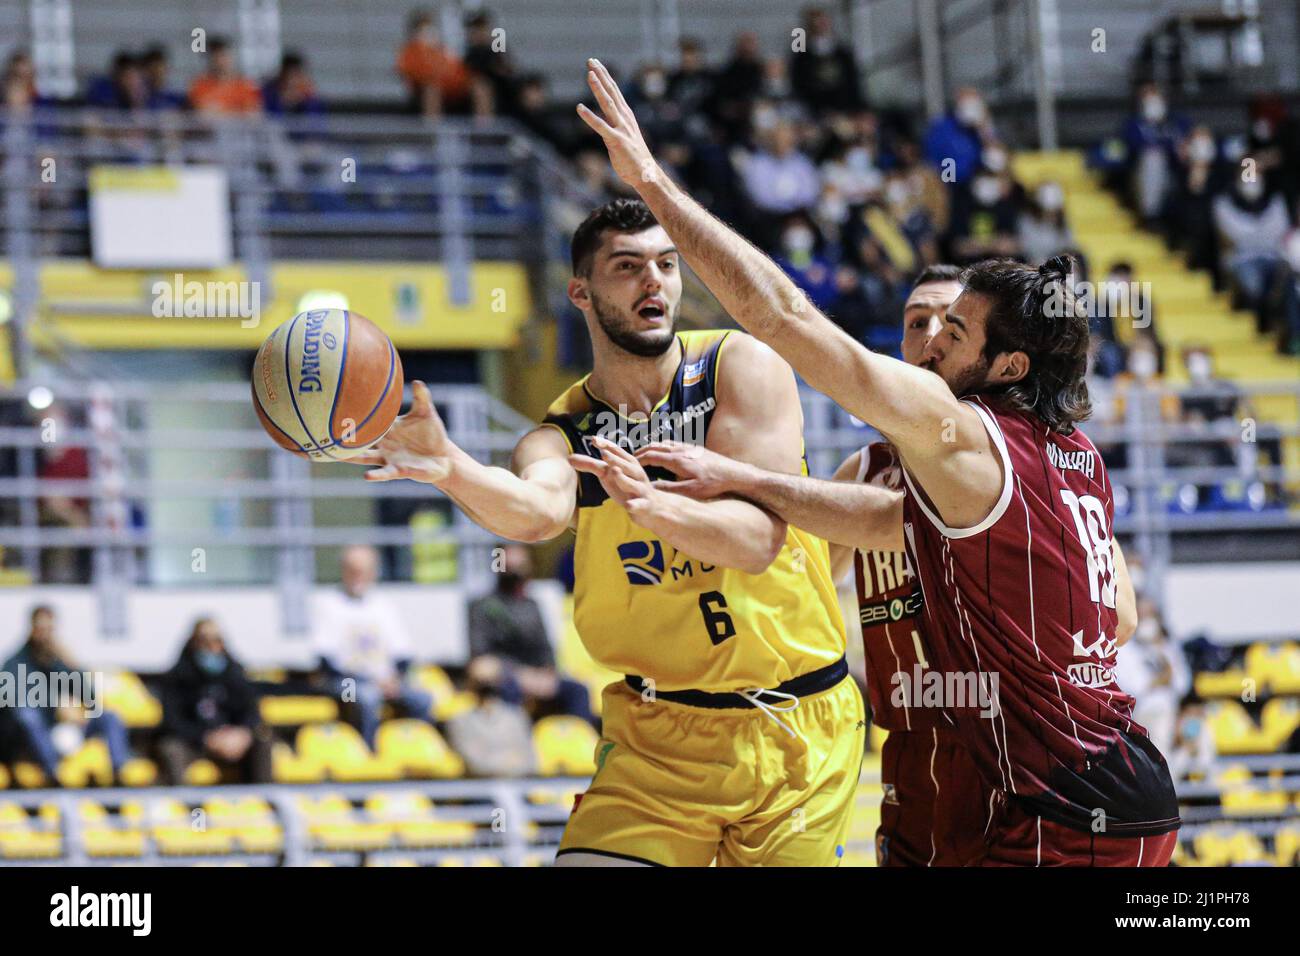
<point x="1029" y="563"/>
<point x="1004" y="498"/>
<point x="1142" y="842"/>
<point x="968" y="635"/>
<point x="1071" y="716"/>
<point x="989" y="822"/>
<point x="898" y="669"/>
<point x="1038" y="861"/>
<point x="934" y="850"/>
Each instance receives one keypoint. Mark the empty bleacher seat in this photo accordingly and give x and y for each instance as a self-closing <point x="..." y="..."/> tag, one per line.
<point x="340" y="751"/>
<point x="417" y="749"/>
<point x="565" y="746"/>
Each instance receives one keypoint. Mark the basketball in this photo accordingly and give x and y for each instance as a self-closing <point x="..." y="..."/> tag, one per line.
<point x="327" y="384"/>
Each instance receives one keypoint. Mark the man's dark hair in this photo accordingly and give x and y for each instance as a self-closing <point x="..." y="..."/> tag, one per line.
<point x="40" y="609"/>
<point x="618" y="215"/>
<point x="1035" y="311"/>
<point x="217" y="44"/>
<point x="941" y="272"/>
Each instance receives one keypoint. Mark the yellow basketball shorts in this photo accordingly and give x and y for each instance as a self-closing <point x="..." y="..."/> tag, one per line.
<point x="680" y="785"/>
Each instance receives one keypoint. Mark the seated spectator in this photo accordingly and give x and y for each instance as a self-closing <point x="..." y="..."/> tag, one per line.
<point x="291" y="91"/>
<point x="534" y="111"/>
<point x="850" y="309"/>
<point x="1044" y="231"/>
<point x="491" y="62"/>
<point x="1290" y="326"/>
<point x="1201" y="178"/>
<point x="737" y="84"/>
<point x="1152" y="136"/>
<point x="779" y="179"/>
<point x="925" y="189"/>
<point x="1274" y="141"/>
<point x="798" y="253"/>
<point x="824" y="75"/>
<point x="1251" y="224"/>
<point x="510" y="649"/>
<point x="62" y="459"/>
<point x="659" y="116"/>
<point x="1154" y="671"/>
<point x="210" y="710"/>
<point x="436" y="79"/>
<point x="985" y="221"/>
<point x="495" y="738"/>
<point x="155" y="65"/>
<point x="52" y="724"/>
<point x="1194" y="753"/>
<point x="221" y="89"/>
<point x="849" y="178"/>
<point x="125" y="88"/>
<point x="954" y="143"/>
<point x="363" y="648"/>
<point x="692" y="87"/>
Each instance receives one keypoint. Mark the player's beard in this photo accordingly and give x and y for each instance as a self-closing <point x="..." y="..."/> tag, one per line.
<point x="969" y="380"/>
<point x="617" y="326"/>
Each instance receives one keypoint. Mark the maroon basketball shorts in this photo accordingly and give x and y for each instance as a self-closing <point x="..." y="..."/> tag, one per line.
<point x="1018" y="839"/>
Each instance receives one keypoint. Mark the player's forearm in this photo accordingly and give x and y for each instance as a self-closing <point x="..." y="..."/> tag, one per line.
<point x="762" y="298"/>
<point x="848" y="513"/>
<point x="503" y="503"/>
<point x="722" y="531"/>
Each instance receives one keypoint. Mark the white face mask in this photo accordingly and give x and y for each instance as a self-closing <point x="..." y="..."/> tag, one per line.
<point x="1142" y="363"/>
<point x="1201" y="149"/>
<point x="1198" y="367"/>
<point x="1153" y="108"/>
<point x="987" y="190"/>
<point x="971" y="111"/>
<point x="799" y="240"/>
<point x="1250" y="189"/>
<point x="995" y="159"/>
<point x="858" y="158"/>
<point x="1148" y="630"/>
<point x="654" y="85"/>
<point x="897" y="192"/>
<point x="1050" y="196"/>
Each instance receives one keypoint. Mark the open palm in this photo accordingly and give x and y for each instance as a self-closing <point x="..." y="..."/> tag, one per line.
<point x="415" y="447"/>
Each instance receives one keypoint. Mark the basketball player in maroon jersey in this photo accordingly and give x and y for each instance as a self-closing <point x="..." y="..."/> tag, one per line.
<point x="1007" y="517"/>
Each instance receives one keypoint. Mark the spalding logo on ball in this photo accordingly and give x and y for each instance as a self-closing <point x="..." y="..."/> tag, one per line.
<point x="327" y="384"/>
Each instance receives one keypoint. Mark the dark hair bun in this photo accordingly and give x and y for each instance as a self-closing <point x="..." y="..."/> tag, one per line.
<point x="1060" y="266"/>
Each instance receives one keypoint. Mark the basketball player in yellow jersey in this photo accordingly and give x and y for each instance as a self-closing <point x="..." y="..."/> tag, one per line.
<point x="736" y="735"/>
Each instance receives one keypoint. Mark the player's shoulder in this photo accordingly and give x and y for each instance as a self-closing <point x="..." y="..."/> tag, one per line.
<point x="573" y="402"/>
<point x="747" y="368"/>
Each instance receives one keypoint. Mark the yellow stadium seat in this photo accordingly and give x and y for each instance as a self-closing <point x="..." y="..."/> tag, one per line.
<point x="332" y="824"/>
<point x="104" y="835"/>
<point x="90" y="764"/>
<point x="417" y="749"/>
<point x="139" y="772"/>
<point x="447" y="700"/>
<point x="290" y="767"/>
<point x="1234" y="731"/>
<point x="126" y="696"/>
<point x="181" y="831"/>
<point x="202" y="773"/>
<point x="339" y="749"/>
<point x="31" y="845"/>
<point x="249" y="820"/>
<point x="1279" y="718"/>
<point x="4" y="776"/>
<point x="1227" y="683"/>
<point x="1227" y="846"/>
<point x="1286" y="845"/>
<point x="1273" y="664"/>
<point x="294" y="710"/>
<point x="1285" y="673"/>
<point x="414" y="821"/>
<point x="565" y="746"/>
<point x="1245" y="795"/>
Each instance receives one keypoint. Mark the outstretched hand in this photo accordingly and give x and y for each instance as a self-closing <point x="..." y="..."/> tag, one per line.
<point x="701" y="473"/>
<point x="621" y="475"/>
<point x="415" y="447"/>
<point x="628" y="152"/>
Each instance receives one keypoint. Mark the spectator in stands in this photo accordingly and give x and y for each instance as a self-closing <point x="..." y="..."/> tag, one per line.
<point x="1200" y="179"/>
<point x="925" y="190"/>
<point x="488" y="59"/>
<point x="1274" y="142"/>
<point x="53" y="724"/>
<point x="1290" y="331"/>
<point x="851" y="309"/>
<point x="510" y="648"/>
<point x="1152" y="136"/>
<point x="363" y="647"/>
<point x="692" y="86"/>
<point x="1193" y="753"/>
<point x="779" y="179"/>
<point x="985" y="219"/>
<point x="495" y="738"/>
<point x="63" y="460"/>
<point x="291" y="91"/>
<point x="1251" y="224"/>
<point x="437" y="80"/>
<point x="210" y="710"/>
<point x="954" y="143"/>
<point x="155" y="64"/>
<point x="737" y="84"/>
<point x="221" y="89"/>
<point x="849" y="177"/>
<point x="823" y="73"/>
<point x="800" y="253"/>
<point x="20" y="95"/>
<point x="659" y="116"/>
<point x="1154" y="671"/>
<point x="1044" y="231"/>
<point x="534" y="111"/>
<point x="126" y="87"/>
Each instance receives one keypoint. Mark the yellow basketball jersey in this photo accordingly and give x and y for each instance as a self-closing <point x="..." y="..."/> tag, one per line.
<point x="643" y="608"/>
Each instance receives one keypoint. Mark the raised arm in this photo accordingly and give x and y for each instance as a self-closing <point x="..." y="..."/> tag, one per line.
<point x="940" y="439"/>
<point x="535" y="502"/>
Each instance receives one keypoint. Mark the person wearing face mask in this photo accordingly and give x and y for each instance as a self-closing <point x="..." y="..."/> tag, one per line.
<point x="210" y="710"/>
<point x="985" y="219"/>
<point x="1251" y="224"/>
<point x="1153" y="671"/>
<point x="799" y="257"/>
<point x="1151" y="136"/>
<point x="1201" y="179"/>
<point x="955" y="142"/>
<point x="1043" y="230"/>
<point x="1194" y="751"/>
<point x="510" y="649"/>
<point x="824" y="74"/>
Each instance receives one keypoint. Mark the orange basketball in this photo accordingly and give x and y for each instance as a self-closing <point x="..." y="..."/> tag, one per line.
<point x="327" y="384"/>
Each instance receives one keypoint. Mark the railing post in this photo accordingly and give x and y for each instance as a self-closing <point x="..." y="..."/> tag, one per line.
<point x="451" y="150"/>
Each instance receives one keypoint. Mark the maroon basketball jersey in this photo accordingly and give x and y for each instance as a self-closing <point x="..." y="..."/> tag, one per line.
<point x="889" y="603"/>
<point x="1022" y="606"/>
